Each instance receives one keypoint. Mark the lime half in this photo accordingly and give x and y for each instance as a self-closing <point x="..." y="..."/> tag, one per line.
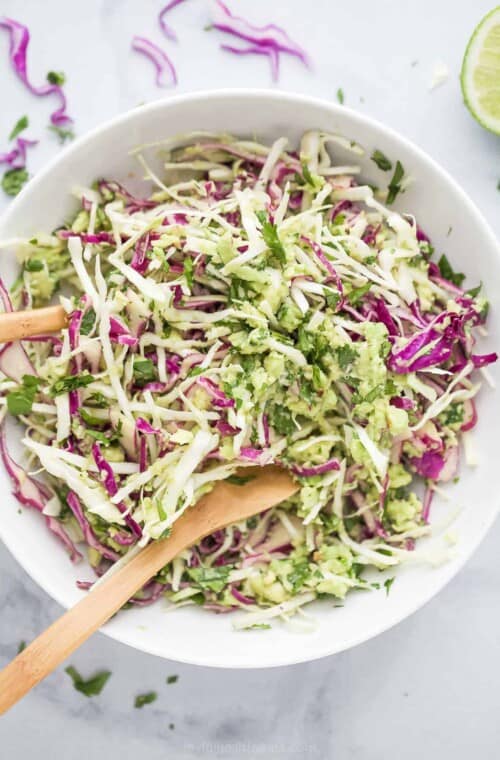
<point x="480" y="76"/>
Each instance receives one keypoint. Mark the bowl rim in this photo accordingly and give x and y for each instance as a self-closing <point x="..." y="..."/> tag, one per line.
<point x="302" y="654"/>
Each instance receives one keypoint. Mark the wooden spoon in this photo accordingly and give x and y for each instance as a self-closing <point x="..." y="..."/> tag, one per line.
<point x="227" y="503"/>
<point x="17" y="325"/>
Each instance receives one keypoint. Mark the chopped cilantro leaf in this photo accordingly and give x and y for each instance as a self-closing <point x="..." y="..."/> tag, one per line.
<point x="172" y="679"/>
<point x="195" y="371"/>
<point x="447" y="272"/>
<point x="62" y="132"/>
<point x="340" y="96"/>
<point x="374" y="393"/>
<point x="453" y="415"/>
<point x="211" y="578"/>
<point x="13" y="181"/>
<point x="281" y="420"/>
<point x="20" y="401"/>
<point x="307" y="390"/>
<point x="145" y="699"/>
<point x="20" y="124"/>
<point x="395" y="184"/>
<point x="306" y="174"/>
<point x="346" y="355"/>
<point x="332" y="299"/>
<point x="144" y="371"/>
<point x="89" y="419"/>
<point x="270" y="235"/>
<point x="70" y="383"/>
<point x="88" y="321"/>
<point x="105" y="438"/>
<point x="299" y="574"/>
<point x="381" y="160"/>
<point x="93" y="686"/>
<point x="98" y="400"/>
<point x="21" y="647"/>
<point x="474" y="292"/>
<point x="357" y="294"/>
<point x="56" y="77"/>
<point x="388" y="583"/>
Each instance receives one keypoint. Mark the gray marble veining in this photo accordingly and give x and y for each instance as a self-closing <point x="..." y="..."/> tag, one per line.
<point x="424" y="688"/>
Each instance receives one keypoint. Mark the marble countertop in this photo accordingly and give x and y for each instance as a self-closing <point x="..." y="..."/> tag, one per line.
<point x="424" y="688"/>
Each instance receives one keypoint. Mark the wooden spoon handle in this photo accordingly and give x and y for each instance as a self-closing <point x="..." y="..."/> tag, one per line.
<point x="69" y="631"/>
<point x="16" y="325"/>
<point x="225" y="504"/>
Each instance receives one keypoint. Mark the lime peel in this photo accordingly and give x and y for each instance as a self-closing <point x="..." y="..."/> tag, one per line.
<point x="480" y="75"/>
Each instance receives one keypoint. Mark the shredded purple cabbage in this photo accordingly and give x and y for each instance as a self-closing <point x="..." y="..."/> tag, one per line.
<point x="16" y="158"/>
<point x="166" y="74"/>
<point x="19" y="40"/>
<point x="270" y="40"/>
<point x="167" y="30"/>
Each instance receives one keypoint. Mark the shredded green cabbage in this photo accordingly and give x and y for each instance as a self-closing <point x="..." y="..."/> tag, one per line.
<point x="260" y="306"/>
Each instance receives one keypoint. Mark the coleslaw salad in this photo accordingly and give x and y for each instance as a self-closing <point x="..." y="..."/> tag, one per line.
<point x="260" y="306"/>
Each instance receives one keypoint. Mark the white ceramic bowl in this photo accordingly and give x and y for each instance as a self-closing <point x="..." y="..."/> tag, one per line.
<point x="191" y="634"/>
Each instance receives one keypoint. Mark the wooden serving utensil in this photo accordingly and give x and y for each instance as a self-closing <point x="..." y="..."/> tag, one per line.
<point x="227" y="503"/>
<point x="17" y="325"/>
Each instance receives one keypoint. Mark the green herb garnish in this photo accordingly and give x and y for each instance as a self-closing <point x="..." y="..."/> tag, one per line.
<point x="474" y="292"/>
<point x="70" y="383"/>
<point x="357" y="294"/>
<point x="89" y="419"/>
<point x="56" y="77"/>
<point x="340" y="96"/>
<point x="62" y="132"/>
<point x="346" y="355"/>
<point x="88" y="321"/>
<point x="144" y="371"/>
<point x="172" y="679"/>
<point x="270" y="235"/>
<point x="395" y="184"/>
<point x="381" y="160"/>
<point x="145" y="699"/>
<point x="454" y="414"/>
<point x="387" y="584"/>
<point x="21" y="124"/>
<point x="21" y="400"/>
<point x="306" y="174"/>
<point x="447" y="272"/>
<point x="281" y="420"/>
<point x="13" y="181"/>
<point x="211" y="578"/>
<point x="98" y="400"/>
<point x="299" y="574"/>
<point x="93" y="686"/>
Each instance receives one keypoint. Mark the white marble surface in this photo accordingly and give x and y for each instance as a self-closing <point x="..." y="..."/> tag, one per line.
<point x="425" y="688"/>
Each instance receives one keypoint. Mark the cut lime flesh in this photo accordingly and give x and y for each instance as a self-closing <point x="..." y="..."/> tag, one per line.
<point x="480" y="76"/>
